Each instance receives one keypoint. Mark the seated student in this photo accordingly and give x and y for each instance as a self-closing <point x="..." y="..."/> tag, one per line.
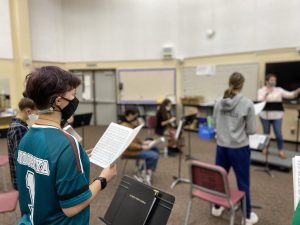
<point x="140" y="149"/>
<point x="164" y="118"/>
<point x="165" y="124"/>
<point x="17" y="129"/>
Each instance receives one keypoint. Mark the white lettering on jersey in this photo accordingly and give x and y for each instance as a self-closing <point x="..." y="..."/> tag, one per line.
<point x="40" y="166"/>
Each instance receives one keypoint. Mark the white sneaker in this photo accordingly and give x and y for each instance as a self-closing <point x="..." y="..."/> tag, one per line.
<point x="138" y="178"/>
<point x="252" y="220"/>
<point x="217" y="212"/>
<point x="148" y="180"/>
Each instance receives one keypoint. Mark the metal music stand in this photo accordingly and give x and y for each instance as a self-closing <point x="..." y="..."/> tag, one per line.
<point x="178" y="179"/>
<point x="271" y="106"/>
<point x="263" y="146"/>
<point x="189" y="120"/>
<point x="82" y="120"/>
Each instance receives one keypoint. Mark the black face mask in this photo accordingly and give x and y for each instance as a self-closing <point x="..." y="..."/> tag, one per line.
<point x="70" y="109"/>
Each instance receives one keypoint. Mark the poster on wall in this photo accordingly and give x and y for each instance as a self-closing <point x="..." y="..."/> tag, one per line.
<point x="205" y="70"/>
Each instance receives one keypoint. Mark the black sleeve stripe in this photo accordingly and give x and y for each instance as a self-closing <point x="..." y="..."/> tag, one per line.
<point x="73" y="194"/>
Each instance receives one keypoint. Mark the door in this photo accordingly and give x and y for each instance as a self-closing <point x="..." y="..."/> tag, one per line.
<point x="105" y="97"/>
<point x="97" y="94"/>
<point x="84" y="93"/>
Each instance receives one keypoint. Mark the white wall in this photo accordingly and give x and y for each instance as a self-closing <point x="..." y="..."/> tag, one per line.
<point x="46" y="30"/>
<point x="118" y="30"/>
<point x="6" y="50"/>
<point x="240" y="26"/>
<point x="88" y="30"/>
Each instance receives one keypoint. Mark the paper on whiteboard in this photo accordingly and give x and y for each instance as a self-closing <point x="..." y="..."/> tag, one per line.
<point x="112" y="144"/>
<point x="258" y="107"/>
<point x="203" y="70"/>
<point x="296" y="179"/>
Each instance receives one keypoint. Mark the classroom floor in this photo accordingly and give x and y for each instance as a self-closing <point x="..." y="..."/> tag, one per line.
<point x="275" y="195"/>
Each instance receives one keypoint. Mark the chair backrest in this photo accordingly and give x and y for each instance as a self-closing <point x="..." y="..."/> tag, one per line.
<point x="209" y="178"/>
<point x="8" y="201"/>
<point x="151" y="122"/>
<point x="3" y="160"/>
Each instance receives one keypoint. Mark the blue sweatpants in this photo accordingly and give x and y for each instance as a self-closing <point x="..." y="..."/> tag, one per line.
<point x="239" y="160"/>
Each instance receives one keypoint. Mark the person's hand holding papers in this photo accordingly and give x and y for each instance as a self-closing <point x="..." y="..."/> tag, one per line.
<point x="146" y="145"/>
<point x="89" y="152"/>
<point x="109" y="172"/>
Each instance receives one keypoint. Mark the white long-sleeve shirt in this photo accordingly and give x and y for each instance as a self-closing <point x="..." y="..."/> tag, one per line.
<point x="275" y="94"/>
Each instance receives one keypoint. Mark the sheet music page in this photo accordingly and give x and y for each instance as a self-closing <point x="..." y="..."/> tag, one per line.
<point x="296" y="180"/>
<point x="135" y="131"/>
<point x="156" y="142"/>
<point x="112" y="144"/>
<point x="179" y="128"/>
<point x="258" y="107"/>
<point x="256" y="139"/>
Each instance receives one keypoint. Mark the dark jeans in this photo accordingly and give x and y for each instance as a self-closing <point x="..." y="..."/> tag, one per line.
<point x="239" y="160"/>
<point x="277" y="130"/>
<point x="151" y="156"/>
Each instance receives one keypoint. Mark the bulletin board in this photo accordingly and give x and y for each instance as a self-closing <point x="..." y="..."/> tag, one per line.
<point x="146" y="85"/>
<point x="213" y="86"/>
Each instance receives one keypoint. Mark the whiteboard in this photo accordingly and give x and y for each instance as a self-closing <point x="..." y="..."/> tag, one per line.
<point x="146" y="85"/>
<point x="213" y="86"/>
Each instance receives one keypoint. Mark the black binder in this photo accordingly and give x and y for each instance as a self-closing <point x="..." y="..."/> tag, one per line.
<point x="273" y="106"/>
<point x="136" y="203"/>
<point x="82" y="120"/>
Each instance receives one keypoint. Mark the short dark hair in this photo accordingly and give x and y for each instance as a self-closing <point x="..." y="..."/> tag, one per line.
<point x="269" y="75"/>
<point x="131" y="112"/>
<point x="26" y="103"/>
<point x="44" y="84"/>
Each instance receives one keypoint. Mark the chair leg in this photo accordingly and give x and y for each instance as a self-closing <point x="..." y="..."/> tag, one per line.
<point x="244" y="210"/>
<point x="124" y="167"/>
<point x="3" y="171"/>
<point x="210" y="208"/>
<point x="232" y="216"/>
<point x="14" y="218"/>
<point x="188" y="212"/>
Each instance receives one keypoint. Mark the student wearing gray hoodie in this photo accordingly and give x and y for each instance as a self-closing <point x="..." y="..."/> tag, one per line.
<point x="234" y="120"/>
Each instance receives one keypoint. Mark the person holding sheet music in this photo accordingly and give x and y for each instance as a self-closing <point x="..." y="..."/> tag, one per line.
<point x="140" y="149"/>
<point x="234" y="120"/>
<point x="165" y="124"/>
<point x="271" y="93"/>
<point x="53" y="170"/>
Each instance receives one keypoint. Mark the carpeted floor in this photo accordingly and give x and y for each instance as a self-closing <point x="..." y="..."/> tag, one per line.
<point x="275" y="195"/>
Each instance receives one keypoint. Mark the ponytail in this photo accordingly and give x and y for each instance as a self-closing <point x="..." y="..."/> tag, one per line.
<point x="229" y="93"/>
<point x="236" y="82"/>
